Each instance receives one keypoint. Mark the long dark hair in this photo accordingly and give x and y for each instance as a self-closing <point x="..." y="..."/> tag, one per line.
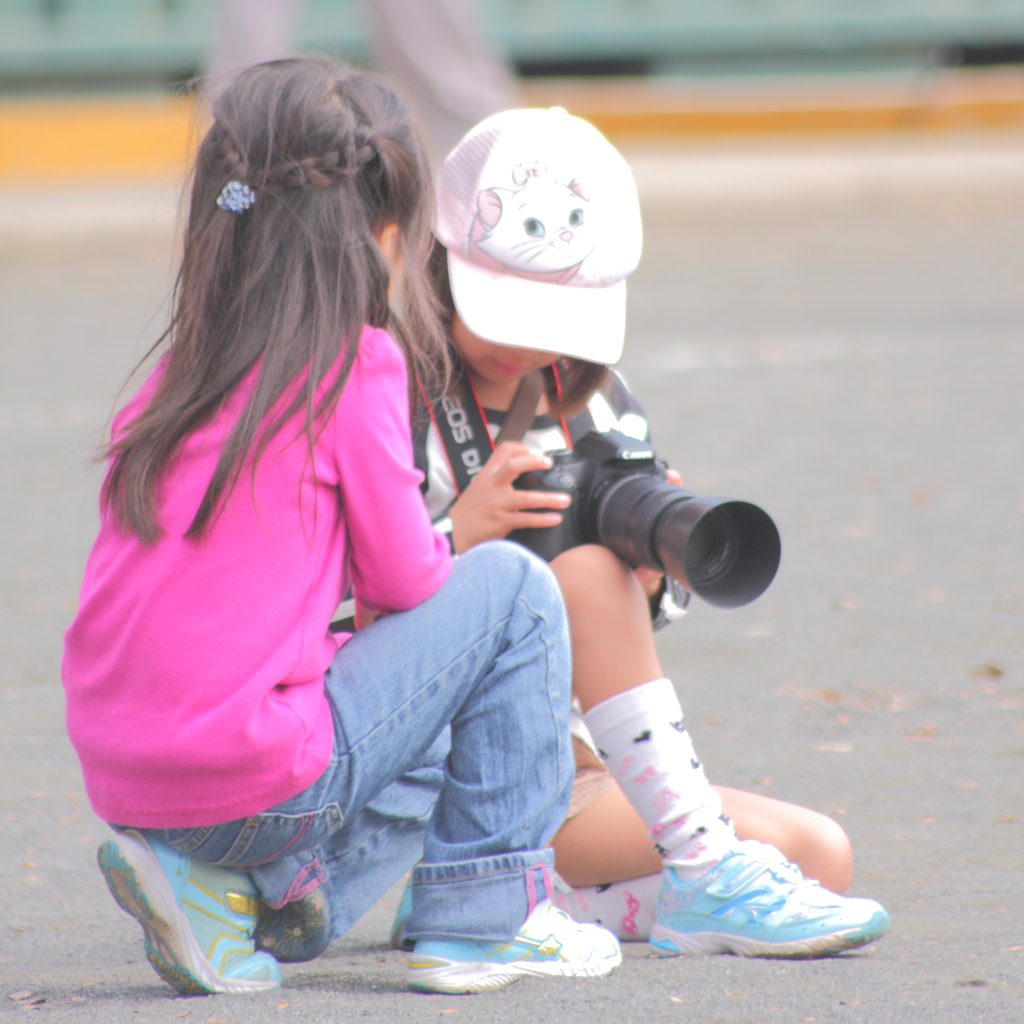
<point x="577" y="380"/>
<point x="332" y="155"/>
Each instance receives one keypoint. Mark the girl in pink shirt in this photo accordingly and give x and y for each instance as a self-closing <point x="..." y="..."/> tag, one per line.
<point x="244" y="753"/>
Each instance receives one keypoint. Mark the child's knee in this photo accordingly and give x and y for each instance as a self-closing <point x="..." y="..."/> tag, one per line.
<point x="840" y="855"/>
<point x="506" y="564"/>
<point x="829" y="853"/>
<point x="591" y="569"/>
<point x="504" y="560"/>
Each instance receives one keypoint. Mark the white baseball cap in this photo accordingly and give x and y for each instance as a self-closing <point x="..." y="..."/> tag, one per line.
<point x="541" y="220"/>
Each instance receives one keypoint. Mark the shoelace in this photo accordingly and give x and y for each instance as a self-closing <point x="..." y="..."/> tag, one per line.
<point x="783" y="869"/>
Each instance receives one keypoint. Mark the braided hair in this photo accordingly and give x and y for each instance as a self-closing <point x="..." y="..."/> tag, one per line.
<point x="331" y="157"/>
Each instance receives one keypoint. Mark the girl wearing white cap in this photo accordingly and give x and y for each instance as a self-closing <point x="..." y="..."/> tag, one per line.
<point x="539" y="225"/>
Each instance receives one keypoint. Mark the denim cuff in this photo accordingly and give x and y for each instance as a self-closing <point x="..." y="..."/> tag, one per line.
<point x="482" y="900"/>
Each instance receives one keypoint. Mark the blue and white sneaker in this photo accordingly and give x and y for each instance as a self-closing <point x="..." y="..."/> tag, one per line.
<point x="550" y="944"/>
<point x="396" y="940"/>
<point x="198" y="918"/>
<point x="755" y="903"/>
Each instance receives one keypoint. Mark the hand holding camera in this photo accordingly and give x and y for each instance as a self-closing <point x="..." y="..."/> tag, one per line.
<point x="725" y="551"/>
<point x="490" y="507"/>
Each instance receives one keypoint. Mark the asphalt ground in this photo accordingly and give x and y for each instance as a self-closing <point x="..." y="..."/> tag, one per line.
<point x="854" y="362"/>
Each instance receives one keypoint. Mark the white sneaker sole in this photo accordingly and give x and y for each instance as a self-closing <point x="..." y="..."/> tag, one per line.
<point x="138" y="883"/>
<point x="669" y="943"/>
<point x="435" y="974"/>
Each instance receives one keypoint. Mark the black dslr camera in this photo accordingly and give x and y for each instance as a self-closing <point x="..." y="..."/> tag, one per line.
<point x="725" y="551"/>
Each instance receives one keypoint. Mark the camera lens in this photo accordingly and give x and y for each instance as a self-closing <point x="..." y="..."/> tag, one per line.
<point x="712" y="548"/>
<point x="726" y="552"/>
<point x="704" y="542"/>
<point x="626" y="515"/>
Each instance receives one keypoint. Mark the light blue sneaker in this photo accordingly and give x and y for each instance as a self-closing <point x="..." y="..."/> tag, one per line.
<point x="755" y="903"/>
<point x="397" y="940"/>
<point x="550" y="944"/>
<point x="198" y="918"/>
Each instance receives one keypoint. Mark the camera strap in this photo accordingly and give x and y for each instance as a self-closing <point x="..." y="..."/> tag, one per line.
<point x="521" y="412"/>
<point x="462" y="426"/>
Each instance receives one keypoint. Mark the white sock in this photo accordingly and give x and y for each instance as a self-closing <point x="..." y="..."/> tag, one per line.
<point x="641" y="737"/>
<point x="626" y="909"/>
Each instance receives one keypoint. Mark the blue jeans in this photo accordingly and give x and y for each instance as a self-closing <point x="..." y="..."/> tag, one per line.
<point x="451" y="747"/>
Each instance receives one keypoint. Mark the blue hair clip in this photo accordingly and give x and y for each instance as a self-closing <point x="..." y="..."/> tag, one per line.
<point x="236" y="197"/>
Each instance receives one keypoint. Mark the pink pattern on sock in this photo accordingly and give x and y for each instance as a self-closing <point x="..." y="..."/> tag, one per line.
<point x="647" y="773"/>
<point x="664" y="799"/>
<point x="694" y="851"/>
<point x="656" y="830"/>
<point x="629" y="921"/>
<point x="627" y="763"/>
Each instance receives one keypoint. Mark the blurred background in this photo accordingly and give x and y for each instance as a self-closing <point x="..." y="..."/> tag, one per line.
<point x="828" y="320"/>
<point x="100" y="88"/>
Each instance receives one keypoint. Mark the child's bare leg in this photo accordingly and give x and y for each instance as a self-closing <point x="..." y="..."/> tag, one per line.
<point x="813" y="841"/>
<point x="613" y="651"/>
<point x="633" y="713"/>
<point x="635" y="719"/>
<point x="608" y="842"/>
<point x="610" y="621"/>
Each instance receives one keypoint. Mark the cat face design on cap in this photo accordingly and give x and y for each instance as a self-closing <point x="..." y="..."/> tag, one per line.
<point x="539" y="230"/>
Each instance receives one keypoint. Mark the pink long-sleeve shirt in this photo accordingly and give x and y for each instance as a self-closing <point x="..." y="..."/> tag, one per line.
<point x="194" y="671"/>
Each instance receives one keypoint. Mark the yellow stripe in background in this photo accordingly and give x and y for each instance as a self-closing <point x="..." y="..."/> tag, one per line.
<point x="105" y="139"/>
<point x="150" y="137"/>
<point x="938" y="101"/>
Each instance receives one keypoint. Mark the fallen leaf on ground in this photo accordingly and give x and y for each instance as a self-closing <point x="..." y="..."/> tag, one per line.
<point x="990" y="670"/>
<point x="20" y="994"/>
<point x="830" y="697"/>
<point x="927" y="821"/>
